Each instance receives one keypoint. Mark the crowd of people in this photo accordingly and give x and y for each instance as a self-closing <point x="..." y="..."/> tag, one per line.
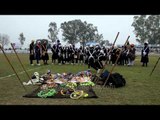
<point x="93" y="56"/>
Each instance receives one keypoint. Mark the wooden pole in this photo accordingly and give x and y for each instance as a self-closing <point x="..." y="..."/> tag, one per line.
<point x="21" y="63"/>
<point x="12" y="68"/>
<point x="114" y="65"/>
<point x="96" y="80"/>
<point x="110" y="51"/>
<point x="154" y="66"/>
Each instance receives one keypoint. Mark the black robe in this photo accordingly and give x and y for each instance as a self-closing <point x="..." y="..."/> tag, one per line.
<point x="144" y="55"/>
<point x="44" y="52"/>
<point x="32" y="54"/>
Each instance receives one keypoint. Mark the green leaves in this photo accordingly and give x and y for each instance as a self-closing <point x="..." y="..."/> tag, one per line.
<point x="147" y="28"/>
<point x="53" y="31"/>
<point x="4" y="39"/>
<point x="77" y="31"/>
<point x="21" y="38"/>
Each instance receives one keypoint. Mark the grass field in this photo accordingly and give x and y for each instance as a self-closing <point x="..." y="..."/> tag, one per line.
<point x="141" y="89"/>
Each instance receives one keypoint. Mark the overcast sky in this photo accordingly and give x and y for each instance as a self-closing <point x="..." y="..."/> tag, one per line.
<point x="36" y="26"/>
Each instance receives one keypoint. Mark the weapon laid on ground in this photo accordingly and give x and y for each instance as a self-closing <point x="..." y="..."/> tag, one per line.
<point x="154" y="66"/>
<point x="114" y="65"/>
<point x="21" y="62"/>
<point x="12" y="67"/>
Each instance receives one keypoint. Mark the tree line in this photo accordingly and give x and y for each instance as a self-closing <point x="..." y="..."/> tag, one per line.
<point x="146" y="28"/>
<point x="75" y="31"/>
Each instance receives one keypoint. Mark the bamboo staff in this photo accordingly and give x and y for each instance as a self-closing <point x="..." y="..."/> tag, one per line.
<point x="12" y="67"/>
<point x="45" y="50"/>
<point x="97" y="77"/>
<point x="155" y="66"/>
<point x="21" y="63"/>
<point x="114" y="65"/>
<point x="109" y="52"/>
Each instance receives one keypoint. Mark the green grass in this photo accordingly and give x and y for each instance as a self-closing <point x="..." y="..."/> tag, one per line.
<point x="141" y="89"/>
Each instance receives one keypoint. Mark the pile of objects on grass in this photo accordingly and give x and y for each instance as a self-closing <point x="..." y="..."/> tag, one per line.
<point x="114" y="80"/>
<point x="65" y="85"/>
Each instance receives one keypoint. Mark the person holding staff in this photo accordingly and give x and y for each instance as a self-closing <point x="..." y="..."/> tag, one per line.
<point x="38" y="52"/>
<point x="45" y="56"/>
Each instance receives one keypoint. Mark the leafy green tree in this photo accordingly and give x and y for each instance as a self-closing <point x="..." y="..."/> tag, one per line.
<point x="21" y="38"/>
<point x="53" y="31"/>
<point x="98" y="38"/>
<point x="77" y="31"/>
<point x="72" y="30"/>
<point x="4" y="40"/>
<point x="147" y="28"/>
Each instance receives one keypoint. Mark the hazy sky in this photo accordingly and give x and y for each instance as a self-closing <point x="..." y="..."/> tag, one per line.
<point x="36" y="26"/>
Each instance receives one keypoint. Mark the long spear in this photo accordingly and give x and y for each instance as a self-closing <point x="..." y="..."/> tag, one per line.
<point x="114" y="65"/>
<point x="154" y="66"/>
<point x="21" y="62"/>
<point x="106" y="59"/>
<point x="110" y="51"/>
<point x="12" y="67"/>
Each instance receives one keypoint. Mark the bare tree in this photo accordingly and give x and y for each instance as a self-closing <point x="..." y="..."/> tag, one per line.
<point x="4" y="40"/>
